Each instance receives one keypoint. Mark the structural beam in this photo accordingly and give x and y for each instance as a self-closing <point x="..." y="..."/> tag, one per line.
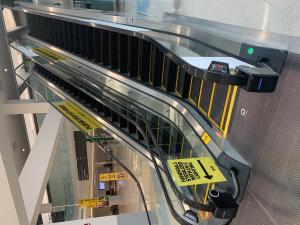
<point x="12" y="208"/>
<point x="36" y="171"/>
<point x="123" y="219"/>
<point x="25" y="106"/>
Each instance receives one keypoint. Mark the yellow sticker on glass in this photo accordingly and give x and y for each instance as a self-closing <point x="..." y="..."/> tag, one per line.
<point x="193" y="171"/>
<point x="205" y="138"/>
<point x="78" y="116"/>
<point x="49" y="54"/>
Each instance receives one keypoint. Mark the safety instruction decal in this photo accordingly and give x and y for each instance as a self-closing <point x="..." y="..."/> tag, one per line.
<point x="205" y="138"/>
<point x="193" y="171"/>
<point x="78" y="116"/>
<point x="113" y="176"/>
<point x="49" y="54"/>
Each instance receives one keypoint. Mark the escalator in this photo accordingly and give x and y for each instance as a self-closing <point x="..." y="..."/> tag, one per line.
<point x="122" y="118"/>
<point x="136" y="83"/>
<point x="150" y="58"/>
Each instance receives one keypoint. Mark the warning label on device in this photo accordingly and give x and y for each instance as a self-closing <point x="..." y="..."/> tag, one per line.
<point x="192" y="171"/>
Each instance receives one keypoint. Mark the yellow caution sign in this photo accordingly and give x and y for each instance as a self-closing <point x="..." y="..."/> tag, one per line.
<point x="192" y="171"/>
<point x="78" y="116"/>
<point x="49" y="54"/>
<point x="94" y="202"/>
<point x="113" y="176"/>
<point x="205" y="138"/>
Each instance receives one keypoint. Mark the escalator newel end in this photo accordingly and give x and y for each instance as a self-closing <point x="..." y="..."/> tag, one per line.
<point x="224" y="205"/>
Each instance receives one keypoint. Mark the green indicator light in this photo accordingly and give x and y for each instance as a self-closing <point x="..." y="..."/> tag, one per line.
<point x="250" y="51"/>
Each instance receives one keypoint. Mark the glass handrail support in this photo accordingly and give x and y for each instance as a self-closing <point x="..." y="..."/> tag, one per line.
<point x="204" y="207"/>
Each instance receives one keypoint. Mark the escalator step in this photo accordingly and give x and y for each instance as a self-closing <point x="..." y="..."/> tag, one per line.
<point x="100" y="108"/>
<point x="123" y="122"/>
<point x="43" y="28"/>
<point x="157" y="63"/>
<point x="89" y="43"/>
<point x="204" y="101"/>
<point x="64" y="35"/>
<point x="105" y="47"/>
<point x="123" y="53"/>
<point x="69" y="30"/>
<point x="169" y="75"/>
<point x="133" y="58"/>
<point x="218" y="103"/>
<point x="38" y="27"/>
<point x="183" y="82"/>
<point x="107" y="112"/>
<point x="60" y="32"/>
<point x="76" y="38"/>
<point x="131" y="128"/>
<point x="113" y="50"/>
<point x="52" y="32"/>
<point x="145" y="61"/>
<point x="82" y="41"/>
<point x="194" y="90"/>
<point x="115" y="117"/>
<point x="97" y="45"/>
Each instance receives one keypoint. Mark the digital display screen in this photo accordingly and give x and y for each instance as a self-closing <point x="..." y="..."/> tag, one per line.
<point x="219" y="67"/>
<point x="101" y="186"/>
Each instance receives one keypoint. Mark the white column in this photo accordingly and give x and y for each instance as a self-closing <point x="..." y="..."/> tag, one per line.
<point x="8" y="207"/>
<point x="36" y="171"/>
<point x="12" y="209"/>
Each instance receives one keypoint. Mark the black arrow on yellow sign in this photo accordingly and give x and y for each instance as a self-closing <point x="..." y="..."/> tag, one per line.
<point x="207" y="175"/>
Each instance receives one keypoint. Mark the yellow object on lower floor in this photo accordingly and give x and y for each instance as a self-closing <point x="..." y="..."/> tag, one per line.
<point x="113" y="176"/>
